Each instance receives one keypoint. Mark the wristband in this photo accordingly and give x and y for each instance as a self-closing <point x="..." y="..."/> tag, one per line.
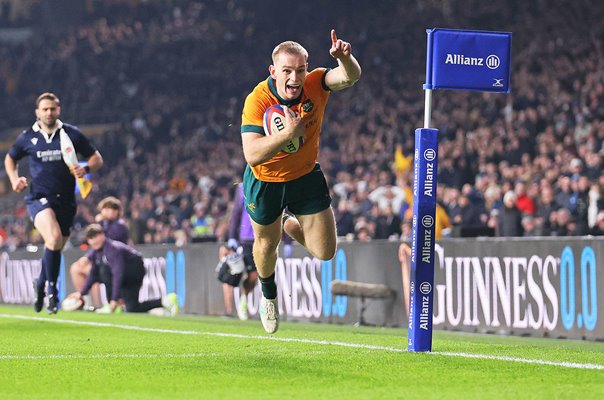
<point x="87" y="168"/>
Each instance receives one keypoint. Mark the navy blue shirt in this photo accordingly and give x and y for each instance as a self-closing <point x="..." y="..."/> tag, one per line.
<point x="115" y="230"/>
<point x="126" y="264"/>
<point x="49" y="173"/>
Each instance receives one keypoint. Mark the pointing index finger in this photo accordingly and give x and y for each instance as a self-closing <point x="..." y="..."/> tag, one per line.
<point x="334" y="38"/>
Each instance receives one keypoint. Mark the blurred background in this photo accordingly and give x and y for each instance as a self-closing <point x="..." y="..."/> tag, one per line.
<point x="159" y="87"/>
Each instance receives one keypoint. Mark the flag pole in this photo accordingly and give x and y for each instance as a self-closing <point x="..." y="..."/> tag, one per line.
<point x="421" y="280"/>
<point x="427" y="108"/>
<point x="487" y="71"/>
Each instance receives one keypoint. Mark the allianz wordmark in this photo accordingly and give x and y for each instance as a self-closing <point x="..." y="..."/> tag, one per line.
<point x="517" y="292"/>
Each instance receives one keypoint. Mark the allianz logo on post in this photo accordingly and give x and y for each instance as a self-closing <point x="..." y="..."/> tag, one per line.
<point x="492" y="61"/>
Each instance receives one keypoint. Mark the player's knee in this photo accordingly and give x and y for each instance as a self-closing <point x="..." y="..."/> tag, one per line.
<point x="326" y="254"/>
<point x="266" y="245"/>
<point x="73" y="269"/>
<point x="54" y="243"/>
<point x="76" y="268"/>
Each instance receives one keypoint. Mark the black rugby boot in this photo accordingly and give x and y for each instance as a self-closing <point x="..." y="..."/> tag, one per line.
<point x="39" y="301"/>
<point x="53" y="304"/>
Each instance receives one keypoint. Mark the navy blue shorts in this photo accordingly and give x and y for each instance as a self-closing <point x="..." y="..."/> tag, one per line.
<point x="65" y="209"/>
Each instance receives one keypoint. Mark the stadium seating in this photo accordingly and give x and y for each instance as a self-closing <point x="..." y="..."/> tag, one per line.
<point x="170" y="78"/>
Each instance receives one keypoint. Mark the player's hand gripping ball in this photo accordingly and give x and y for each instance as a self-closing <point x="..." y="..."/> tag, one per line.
<point x="274" y="122"/>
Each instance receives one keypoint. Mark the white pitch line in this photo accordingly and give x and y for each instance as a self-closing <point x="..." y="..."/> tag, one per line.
<point x="97" y="356"/>
<point x="108" y="356"/>
<point x="563" y="364"/>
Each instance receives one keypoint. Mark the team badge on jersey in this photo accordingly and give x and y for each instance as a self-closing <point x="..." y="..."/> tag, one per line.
<point x="307" y="106"/>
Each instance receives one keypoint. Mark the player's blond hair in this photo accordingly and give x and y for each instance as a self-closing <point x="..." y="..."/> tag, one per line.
<point x="48" y="96"/>
<point x="289" y="47"/>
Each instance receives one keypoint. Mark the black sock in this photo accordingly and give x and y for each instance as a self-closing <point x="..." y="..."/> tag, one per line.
<point x="41" y="282"/>
<point x="269" y="288"/>
<point x="52" y="264"/>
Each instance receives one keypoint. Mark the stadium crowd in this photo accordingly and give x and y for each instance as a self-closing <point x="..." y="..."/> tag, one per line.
<point x="169" y="79"/>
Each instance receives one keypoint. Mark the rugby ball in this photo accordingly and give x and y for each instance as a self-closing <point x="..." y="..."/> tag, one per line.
<point x="274" y="122"/>
<point x="72" y="304"/>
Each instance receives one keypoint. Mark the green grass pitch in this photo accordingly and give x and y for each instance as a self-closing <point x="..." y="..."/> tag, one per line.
<point x="87" y="356"/>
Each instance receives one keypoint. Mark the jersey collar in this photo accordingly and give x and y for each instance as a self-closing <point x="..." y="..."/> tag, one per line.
<point x="48" y="137"/>
<point x="288" y="103"/>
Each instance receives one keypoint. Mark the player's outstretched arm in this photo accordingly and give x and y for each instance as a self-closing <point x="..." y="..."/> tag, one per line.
<point x="348" y="71"/>
<point x="95" y="162"/>
<point x="17" y="182"/>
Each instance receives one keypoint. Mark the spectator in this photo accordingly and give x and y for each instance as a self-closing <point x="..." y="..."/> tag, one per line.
<point x="598" y="228"/>
<point x="202" y="224"/>
<point x="596" y="202"/>
<point x="509" y="220"/>
<point x="563" y="223"/>
<point x="344" y="219"/>
<point x="551" y="125"/>
<point x="564" y="196"/>
<point x="388" y="225"/>
<point x="523" y="202"/>
<point x="388" y="196"/>
<point x="529" y="226"/>
<point x="468" y="217"/>
<point x="545" y="207"/>
<point x="581" y="202"/>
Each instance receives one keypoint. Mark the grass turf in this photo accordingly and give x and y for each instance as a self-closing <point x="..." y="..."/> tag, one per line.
<point x="190" y="357"/>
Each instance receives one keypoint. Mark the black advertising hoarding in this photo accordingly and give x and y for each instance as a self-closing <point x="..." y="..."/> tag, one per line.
<point x="537" y="287"/>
